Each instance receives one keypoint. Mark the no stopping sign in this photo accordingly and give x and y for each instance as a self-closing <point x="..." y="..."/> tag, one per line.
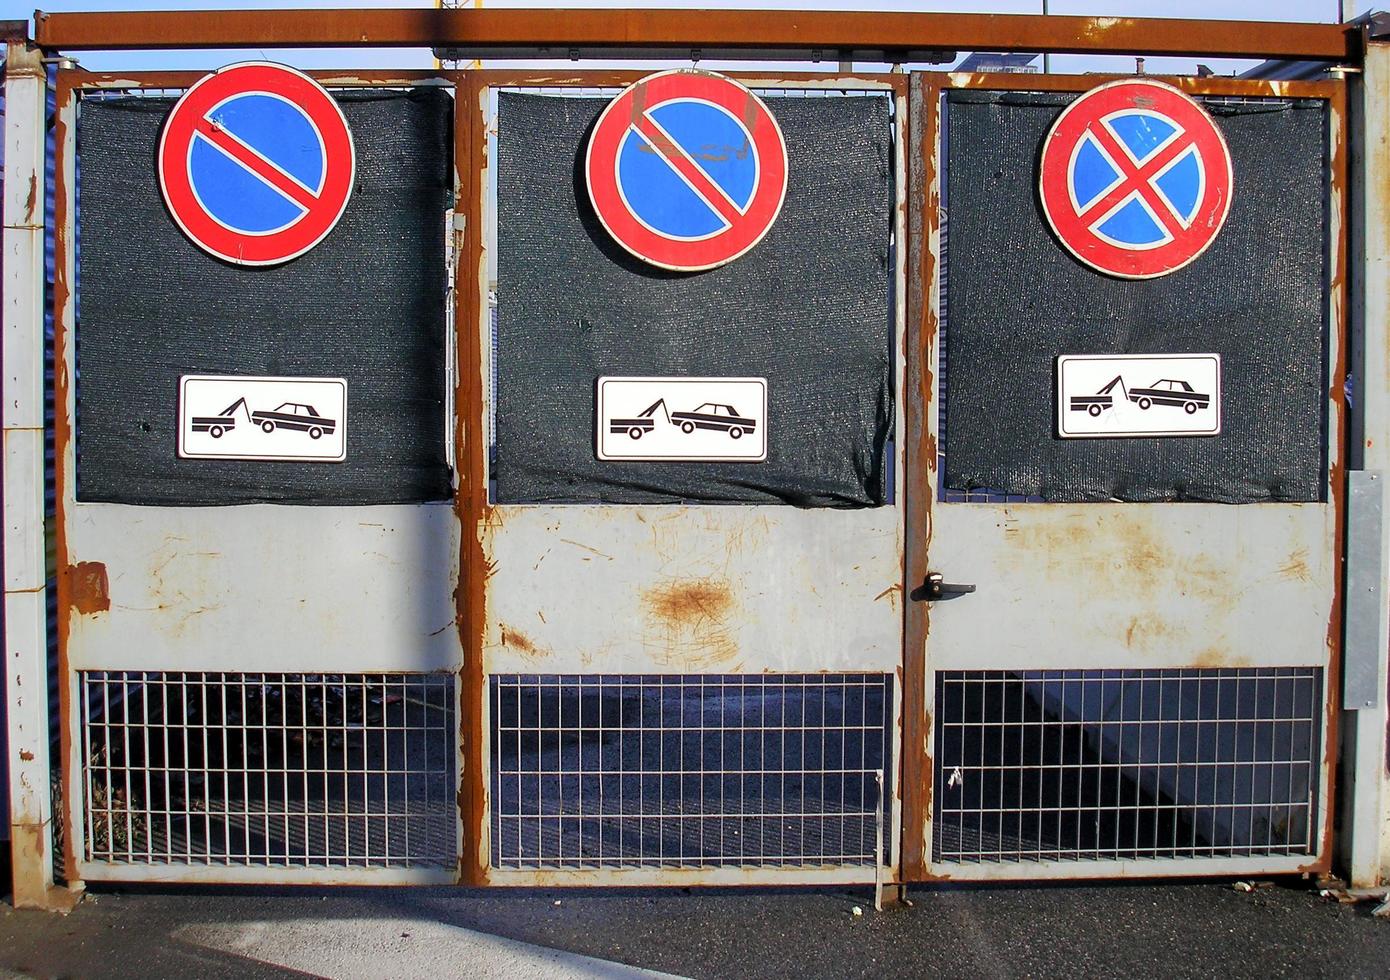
<point x="1136" y="179"/>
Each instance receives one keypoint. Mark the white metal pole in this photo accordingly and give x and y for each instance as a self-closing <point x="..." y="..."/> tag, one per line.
<point x="1364" y="756"/>
<point x="26" y="647"/>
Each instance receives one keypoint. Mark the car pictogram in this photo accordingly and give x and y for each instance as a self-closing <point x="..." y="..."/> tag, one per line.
<point x="716" y="417"/>
<point x="1170" y="391"/>
<point x="294" y="415"/>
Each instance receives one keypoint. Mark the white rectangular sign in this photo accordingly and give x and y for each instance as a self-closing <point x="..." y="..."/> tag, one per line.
<point x="1138" y="395"/>
<point x="682" y="419"/>
<point x="229" y="417"/>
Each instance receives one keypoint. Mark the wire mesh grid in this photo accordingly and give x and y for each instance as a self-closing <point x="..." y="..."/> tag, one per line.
<point x="689" y="771"/>
<point x="1076" y="765"/>
<point x="269" y="770"/>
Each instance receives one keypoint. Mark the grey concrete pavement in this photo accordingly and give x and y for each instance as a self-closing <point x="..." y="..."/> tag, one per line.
<point x="1163" y="930"/>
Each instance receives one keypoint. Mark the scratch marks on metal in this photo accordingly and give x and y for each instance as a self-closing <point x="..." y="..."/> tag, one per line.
<point x="585" y="547"/>
<point x="690" y="623"/>
<point x="1296" y="566"/>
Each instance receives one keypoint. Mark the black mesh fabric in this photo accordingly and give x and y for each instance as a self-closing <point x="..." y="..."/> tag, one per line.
<point x="1016" y="300"/>
<point x="808" y="309"/>
<point x="367" y="304"/>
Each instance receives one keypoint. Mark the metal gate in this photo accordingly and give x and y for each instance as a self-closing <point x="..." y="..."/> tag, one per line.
<point x="675" y="692"/>
<point x="527" y="692"/>
<point x="1136" y="688"/>
<point x="258" y="692"/>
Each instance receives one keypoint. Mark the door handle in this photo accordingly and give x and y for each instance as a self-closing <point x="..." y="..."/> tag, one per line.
<point x="936" y="588"/>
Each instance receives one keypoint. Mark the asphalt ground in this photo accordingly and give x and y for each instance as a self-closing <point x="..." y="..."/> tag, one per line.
<point x="1107" y="930"/>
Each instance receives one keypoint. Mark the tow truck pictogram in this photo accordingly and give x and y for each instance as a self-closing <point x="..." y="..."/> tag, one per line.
<point x="1102" y="400"/>
<point x="643" y="423"/>
<point x="223" y="421"/>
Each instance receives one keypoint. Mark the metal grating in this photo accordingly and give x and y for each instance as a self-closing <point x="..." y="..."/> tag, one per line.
<point x="269" y="770"/>
<point x="690" y="771"/>
<point x="1077" y="765"/>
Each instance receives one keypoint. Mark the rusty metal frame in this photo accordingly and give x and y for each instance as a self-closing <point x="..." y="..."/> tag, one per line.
<point x="921" y="401"/>
<point x="481" y="518"/>
<point x="560" y="32"/>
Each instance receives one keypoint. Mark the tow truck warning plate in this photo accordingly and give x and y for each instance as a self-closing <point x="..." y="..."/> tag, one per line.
<point x="238" y="417"/>
<point x="682" y="419"/>
<point x="1138" y="395"/>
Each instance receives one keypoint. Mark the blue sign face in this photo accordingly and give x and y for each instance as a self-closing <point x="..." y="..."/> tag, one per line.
<point x="683" y="174"/>
<point x="1177" y="188"/>
<point x="234" y="190"/>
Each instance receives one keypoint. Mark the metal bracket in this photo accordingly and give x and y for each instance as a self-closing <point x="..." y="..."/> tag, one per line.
<point x="1366" y="599"/>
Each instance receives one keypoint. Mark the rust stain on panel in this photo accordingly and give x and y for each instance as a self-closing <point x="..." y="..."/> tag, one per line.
<point x="31" y="202"/>
<point x="690" y="603"/>
<point x="689" y="623"/>
<point x="1145" y="630"/>
<point x="522" y="644"/>
<point x="1124" y="555"/>
<point x="29" y="851"/>
<point x="25" y="755"/>
<point x="90" y="591"/>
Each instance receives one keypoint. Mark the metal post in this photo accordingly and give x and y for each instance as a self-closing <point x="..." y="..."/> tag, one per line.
<point x="1366" y="854"/>
<point x="26" y="647"/>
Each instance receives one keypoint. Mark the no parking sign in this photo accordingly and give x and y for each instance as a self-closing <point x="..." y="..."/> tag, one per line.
<point x="256" y="163"/>
<point x="687" y="170"/>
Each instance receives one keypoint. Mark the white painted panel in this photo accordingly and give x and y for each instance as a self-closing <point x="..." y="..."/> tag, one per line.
<point x="269" y="588"/>
<point x="23" y="503"/>
<point x="1152" y="585"/>
<point x="693" y="589"/>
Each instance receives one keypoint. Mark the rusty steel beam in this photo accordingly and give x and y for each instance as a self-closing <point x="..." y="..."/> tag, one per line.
<point x="558" y="32"/>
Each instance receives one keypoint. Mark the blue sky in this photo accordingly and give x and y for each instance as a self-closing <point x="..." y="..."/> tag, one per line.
<point x="1309" y="11"/>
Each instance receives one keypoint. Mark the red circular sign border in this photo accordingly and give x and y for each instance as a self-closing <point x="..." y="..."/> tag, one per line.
<point x="175" y="182"/>
<point x="605" y="141"/>
<point x="1053" y="180"/>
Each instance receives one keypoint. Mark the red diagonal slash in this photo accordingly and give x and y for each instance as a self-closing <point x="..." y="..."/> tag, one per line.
<point x="676" y="157"/>
<point x="1137" y="178"/>
<point x="263" y="169"/>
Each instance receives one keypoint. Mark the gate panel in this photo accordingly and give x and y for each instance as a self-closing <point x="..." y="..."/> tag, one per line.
<point x="688" y="691"/>
<point x="1135" y="688"/>
<point x="256" y="692"/>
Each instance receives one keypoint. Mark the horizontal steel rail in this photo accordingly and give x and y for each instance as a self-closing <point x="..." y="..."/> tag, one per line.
<point x="552" y="32"/>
